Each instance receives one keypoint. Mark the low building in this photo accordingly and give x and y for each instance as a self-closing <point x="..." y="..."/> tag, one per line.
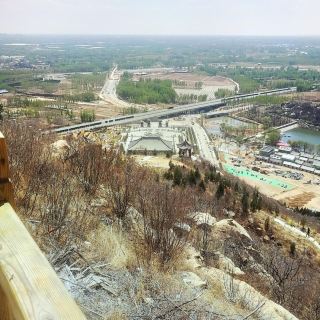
<point x="150" y="145"/>
<point x="316" y="164"/>
<point x="291" y="165"/>
<point x="308" y="169"/>
<point x="306" y="155"/>
<point x="266" y="151"/>
<point x="285" y="149"/>
<point x="287" y="157"/>
<point x="262" y="158"/>
<point x="275" y="159"/>
<point x="298" y="162"/>
<point x="3" y="91"/>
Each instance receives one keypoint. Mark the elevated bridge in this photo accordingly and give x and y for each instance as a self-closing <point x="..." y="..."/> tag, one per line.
<point x="168" y="113"/>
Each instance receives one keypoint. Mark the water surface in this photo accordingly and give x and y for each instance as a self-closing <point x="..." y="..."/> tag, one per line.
<point x="301" y="134"/>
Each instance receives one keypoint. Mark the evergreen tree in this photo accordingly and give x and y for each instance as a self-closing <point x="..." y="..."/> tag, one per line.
<point x="256" y="201"/>
<point x="192" y="178"/>
<point x="245" y="203"/>
<point x="197" y="174"/>
<point x="177" y="176"/>
<point x="220" y="190"/>
<point x="202" y="186"/>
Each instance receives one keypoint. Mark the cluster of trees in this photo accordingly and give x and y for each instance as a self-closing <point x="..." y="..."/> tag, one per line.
<point x="87" y="115"/>
<point x="306" y="111"/>
<point x="304" y="146"/>
<point x="88" y="82"/>
<point x="238" y="132"/>
<point x="268" y="117"/>
<point x="251" y="79"/>
<point x="20" y="102"/>
<point x="184" y="84"/>
<point x="191" y="98"/>
<point x="269" y="100"/>
<point x="223" y="93"/>
<point x="179" y="83"/>
<point x="183" y="176"/>
<point x="273" y="137"/>
<point x="198" y="85"/>
<point x="307" y="212"/>
<point x="84" y="96"/>
<point x="146" y="91"/>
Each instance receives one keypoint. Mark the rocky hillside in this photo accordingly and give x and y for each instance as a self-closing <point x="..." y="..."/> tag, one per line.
<point x="130" y="242"/>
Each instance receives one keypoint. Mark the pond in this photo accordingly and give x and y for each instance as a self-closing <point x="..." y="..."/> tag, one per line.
<point x="301" y="134"/>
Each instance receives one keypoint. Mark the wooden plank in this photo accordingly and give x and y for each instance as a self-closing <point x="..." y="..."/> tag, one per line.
<point x="4" y="307"/>
<point x="31" y="287"/>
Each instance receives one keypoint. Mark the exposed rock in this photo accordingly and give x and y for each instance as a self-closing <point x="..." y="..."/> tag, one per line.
<point x="229" y="225"/>
<point x="203" y="218"/>
<point x="228" y="266"/>
<point x="148" y="300"/>
<point x="193" y="280"/>
<point x="259" y="231"/>
<point x="230" y="214"/>
<point x="100" y="202"/>
<point x="193" y="257"/>
<point x="181" y="229"/>
<point x="134" y="219"/>
<point x="182" y="226"/>
<point x="242" y="293"/>
<point x="266" y="239"/>
<point x="60" y="148"/>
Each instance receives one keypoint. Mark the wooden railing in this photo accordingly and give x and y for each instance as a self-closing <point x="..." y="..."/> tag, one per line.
<point x="29" y="287"/>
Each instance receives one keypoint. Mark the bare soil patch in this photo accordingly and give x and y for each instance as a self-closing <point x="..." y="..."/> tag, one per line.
<point x="299" y="200"/>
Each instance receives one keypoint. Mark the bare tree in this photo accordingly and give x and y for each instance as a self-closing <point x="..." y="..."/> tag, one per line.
<point x="286" y="275"/>
<point x="161" y="208"/>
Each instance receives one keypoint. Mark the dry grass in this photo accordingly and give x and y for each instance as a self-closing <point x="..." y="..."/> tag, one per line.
<point x="116" y="315"/>
<point x="111" y="245"/>
<point x="299" y="200"/>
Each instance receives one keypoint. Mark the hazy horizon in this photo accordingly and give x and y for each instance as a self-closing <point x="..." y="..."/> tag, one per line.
<point x="281" y="18"/>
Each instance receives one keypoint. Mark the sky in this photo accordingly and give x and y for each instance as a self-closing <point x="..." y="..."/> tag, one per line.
<point x="161" y="17"/>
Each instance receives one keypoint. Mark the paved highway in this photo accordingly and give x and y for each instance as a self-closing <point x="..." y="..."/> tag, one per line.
<point x="203" y="143"/>
<point x="171" y="112"/>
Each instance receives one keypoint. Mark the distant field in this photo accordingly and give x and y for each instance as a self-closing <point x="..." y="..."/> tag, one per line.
<point x="210" y="84"/>
<point x="191" y="78"/>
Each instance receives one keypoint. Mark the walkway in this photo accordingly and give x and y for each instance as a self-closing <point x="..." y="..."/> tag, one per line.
<point x="298" y="232"/>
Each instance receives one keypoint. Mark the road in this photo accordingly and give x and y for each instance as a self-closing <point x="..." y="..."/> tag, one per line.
<point x="203" y="143"/>
<point x="108" y="92"/>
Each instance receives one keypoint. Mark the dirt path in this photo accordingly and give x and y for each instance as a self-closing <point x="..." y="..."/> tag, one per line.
<point x="298" y="232"/>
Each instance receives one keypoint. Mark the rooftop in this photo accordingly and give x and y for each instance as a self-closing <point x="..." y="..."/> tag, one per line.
<point x="151" y="143"/>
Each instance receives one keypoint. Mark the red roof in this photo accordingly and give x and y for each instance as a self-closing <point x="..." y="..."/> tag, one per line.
<point x="282" y="144"/>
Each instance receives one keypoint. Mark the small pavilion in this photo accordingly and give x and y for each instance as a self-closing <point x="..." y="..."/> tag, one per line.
<point x="185" y="149"/>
